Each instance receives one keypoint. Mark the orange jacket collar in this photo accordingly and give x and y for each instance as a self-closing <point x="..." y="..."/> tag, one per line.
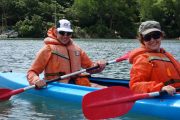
<point x="53" y="35"/>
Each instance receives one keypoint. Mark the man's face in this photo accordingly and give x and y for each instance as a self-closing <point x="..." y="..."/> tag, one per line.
<point x="64" y="37"/>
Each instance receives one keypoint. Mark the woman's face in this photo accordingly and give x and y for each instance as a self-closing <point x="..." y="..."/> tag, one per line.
<point x="152" y="41"/>
<point x="64" y="37"/>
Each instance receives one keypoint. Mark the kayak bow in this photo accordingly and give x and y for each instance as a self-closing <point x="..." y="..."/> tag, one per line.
<point x="7" y="93"/>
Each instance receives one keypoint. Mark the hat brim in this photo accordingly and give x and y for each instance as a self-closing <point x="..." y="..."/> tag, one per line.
<point x="150" y="30"/>
<point x="64" y="29"/>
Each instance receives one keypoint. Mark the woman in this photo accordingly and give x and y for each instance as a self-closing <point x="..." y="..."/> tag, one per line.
<point x="153" y="69"/>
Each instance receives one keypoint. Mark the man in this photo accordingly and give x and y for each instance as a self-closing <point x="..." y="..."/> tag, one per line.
<point x="60" y="56"/>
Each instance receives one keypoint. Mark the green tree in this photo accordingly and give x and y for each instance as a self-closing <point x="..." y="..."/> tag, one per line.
<point x="105" y="18"/>
<point x="39" y="16"/>
<point x="90" y="18"/>
<point x="4" y="18"/>
<point x="171" y="18"/>
<point x="165" y="11"/>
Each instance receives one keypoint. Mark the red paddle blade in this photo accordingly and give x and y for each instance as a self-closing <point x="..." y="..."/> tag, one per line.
<point x="107" y="103"/>
<point x="5" y="93"/>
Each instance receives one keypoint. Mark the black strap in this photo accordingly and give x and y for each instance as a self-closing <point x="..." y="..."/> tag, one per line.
<point x="172" y="81"/>
<point x="71" y="81"/>
<point x="55" y="74"/>
<point x="60" y="55"/>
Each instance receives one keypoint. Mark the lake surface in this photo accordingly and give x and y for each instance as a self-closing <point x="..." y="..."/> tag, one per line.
<point x="17" y="55"/>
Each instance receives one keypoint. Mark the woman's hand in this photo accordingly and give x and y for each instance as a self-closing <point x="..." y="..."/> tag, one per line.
<point x="169" y="89"/>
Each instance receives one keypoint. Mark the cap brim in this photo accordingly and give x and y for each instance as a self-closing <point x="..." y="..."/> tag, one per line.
<point x="64" y="29"/>
<point x="150" y="30"/>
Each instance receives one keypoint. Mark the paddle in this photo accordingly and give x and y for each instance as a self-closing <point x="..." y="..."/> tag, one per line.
<point x="112" y="102"/>
<point x="5" y="93"/>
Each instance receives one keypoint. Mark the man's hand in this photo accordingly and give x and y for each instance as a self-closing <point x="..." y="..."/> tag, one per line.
<point x="40" y="83"/>
<point x="169" y="89"/>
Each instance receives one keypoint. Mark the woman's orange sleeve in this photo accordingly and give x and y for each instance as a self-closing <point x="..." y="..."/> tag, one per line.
<point x="140" y="76"/>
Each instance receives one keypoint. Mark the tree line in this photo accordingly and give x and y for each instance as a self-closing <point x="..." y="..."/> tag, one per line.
<point x="89" y="18"/>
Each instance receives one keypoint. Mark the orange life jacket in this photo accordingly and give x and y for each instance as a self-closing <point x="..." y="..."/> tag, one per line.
<point x="56" y="59"/>
<point x="151" y="71"/>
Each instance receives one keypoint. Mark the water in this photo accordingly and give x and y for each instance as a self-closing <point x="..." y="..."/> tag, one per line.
<point x="17" y="55"/>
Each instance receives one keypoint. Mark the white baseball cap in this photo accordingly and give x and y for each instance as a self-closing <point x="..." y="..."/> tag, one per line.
<point x="64" y="25"/>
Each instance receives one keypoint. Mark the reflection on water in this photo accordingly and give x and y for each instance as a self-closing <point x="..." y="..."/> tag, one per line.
<point x="17" y="55"/>
<point x="32" y="108"/>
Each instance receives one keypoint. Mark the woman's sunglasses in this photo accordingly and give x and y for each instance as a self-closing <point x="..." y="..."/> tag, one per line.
<point x="155" y="35"/>
<point x="63" y="33"/>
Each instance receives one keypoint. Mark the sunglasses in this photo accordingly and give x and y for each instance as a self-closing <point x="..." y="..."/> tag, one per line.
<point x="155" y="35"/>
<point x="63" y="33"/>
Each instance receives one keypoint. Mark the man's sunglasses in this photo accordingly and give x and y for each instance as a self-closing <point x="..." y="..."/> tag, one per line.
<point x="63" y="33"/>
<point x="155" y="35"/>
